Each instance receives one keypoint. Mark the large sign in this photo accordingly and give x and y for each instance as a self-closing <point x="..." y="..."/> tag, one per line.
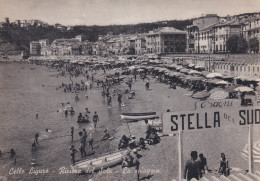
<point x="208" y="119"/>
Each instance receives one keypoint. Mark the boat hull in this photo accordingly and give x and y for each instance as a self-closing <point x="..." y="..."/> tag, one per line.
<point x="100" y="163"/>
<point x="138" y="116"/>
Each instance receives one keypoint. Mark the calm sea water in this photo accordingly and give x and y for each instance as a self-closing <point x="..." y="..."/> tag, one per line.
<point x="29" y="89"/>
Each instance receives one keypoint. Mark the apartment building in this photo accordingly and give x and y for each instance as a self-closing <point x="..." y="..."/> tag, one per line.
<point x="140" y="47"/>
<point x="251" y="29"/>
<point x="200" y="25"/>
<point x="35" y="48"/>
<point x="165" y="40"/>
<point x="44" y="42"/>
<point x="222" y="31"/>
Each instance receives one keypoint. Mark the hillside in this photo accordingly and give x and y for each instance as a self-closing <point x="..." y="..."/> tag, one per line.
<point x="13" y="39"/>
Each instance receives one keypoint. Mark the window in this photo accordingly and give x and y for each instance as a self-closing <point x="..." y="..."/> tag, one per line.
<point x="248" y="69"/>
<point x="257" y="69"/>
<point x="253" y="68"/>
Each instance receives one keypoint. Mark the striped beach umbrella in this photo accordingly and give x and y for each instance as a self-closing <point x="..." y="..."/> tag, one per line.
<point x="220" y="94"/>
<point x="256" y="152"/>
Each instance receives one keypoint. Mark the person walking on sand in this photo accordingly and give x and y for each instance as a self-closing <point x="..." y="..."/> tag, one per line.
<point x="72" y="153"/>
<point x="82" y="144"/>
<point x="203" y="165"/>
<point x="192" y="169"/>
<point x="36" y="136"/>
<point x="95" y="119"/>
<point x="148" y="129"/>
<point x="72" y="133"/>
<point x="90" y="142"/>
<point x="85" y="135"/>
<point x="119" y="99"/>
<point x="223" y="165"/>
<point x="136" y="163"/>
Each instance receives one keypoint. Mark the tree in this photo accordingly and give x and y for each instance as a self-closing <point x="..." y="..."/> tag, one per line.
<point x="254" y="45"/>
<point x="242" y="45"/>
<point x="236" y="44"/>
<point x="232" y="42"/>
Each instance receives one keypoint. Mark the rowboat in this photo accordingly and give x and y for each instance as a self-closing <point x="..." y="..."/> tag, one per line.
<point x="138" y="116"/>
<point x="102" y="162"/>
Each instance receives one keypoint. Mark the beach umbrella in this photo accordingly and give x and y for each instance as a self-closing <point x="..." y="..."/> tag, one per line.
<point x="243" y="89"/>
<point x="256" y="152"/>
<point x="257" y="88"/>
<point x="205" y="73"/>
<point x="219" y="94"/>
<point x="194" y="72"/>
<point x="200" y="95"/>
<point x="184" y="70"/>
<point x="163" y="69"/>
<point x="222" y="82"/>
<point x="231" y="88"/>
<point x="199" y="67"/>
<point x="132" y="67"/>
<point x="213" y="81"/>
<point x="140" y="70"/>
<point x="213" y="75"/>
<point x="227" y="77"/>
<point x="196" y="78"/>
<point x="179" y="68"/>
<point x="191" y="65"/>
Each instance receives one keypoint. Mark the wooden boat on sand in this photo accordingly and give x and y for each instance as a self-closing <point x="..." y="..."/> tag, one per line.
<point x="138" y="116"/>
<point x="102" y="162"/>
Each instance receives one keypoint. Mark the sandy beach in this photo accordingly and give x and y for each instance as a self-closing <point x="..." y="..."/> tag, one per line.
<point x="27" y="89"/>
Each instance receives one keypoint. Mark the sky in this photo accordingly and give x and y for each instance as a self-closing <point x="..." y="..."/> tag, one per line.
<point x="107" y="12"/>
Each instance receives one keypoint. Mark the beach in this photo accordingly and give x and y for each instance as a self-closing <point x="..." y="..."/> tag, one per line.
<point x="27" y="89"/>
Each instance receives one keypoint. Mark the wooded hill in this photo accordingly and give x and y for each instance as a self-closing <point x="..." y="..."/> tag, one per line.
<point x="13" y="39"/>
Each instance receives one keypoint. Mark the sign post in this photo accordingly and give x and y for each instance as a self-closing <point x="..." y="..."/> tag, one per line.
<point x="180" y="155"/>
<point x="174" y="122"/>
<point x="250" y="149"/>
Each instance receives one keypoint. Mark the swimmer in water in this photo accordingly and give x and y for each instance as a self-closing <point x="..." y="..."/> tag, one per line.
<point x="33" y="162"/>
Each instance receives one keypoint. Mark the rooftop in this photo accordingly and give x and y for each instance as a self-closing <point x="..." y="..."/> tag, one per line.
<point x="167" y="30"/>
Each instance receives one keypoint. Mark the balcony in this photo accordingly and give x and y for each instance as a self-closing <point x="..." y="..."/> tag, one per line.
<point x="191" y="41"/>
